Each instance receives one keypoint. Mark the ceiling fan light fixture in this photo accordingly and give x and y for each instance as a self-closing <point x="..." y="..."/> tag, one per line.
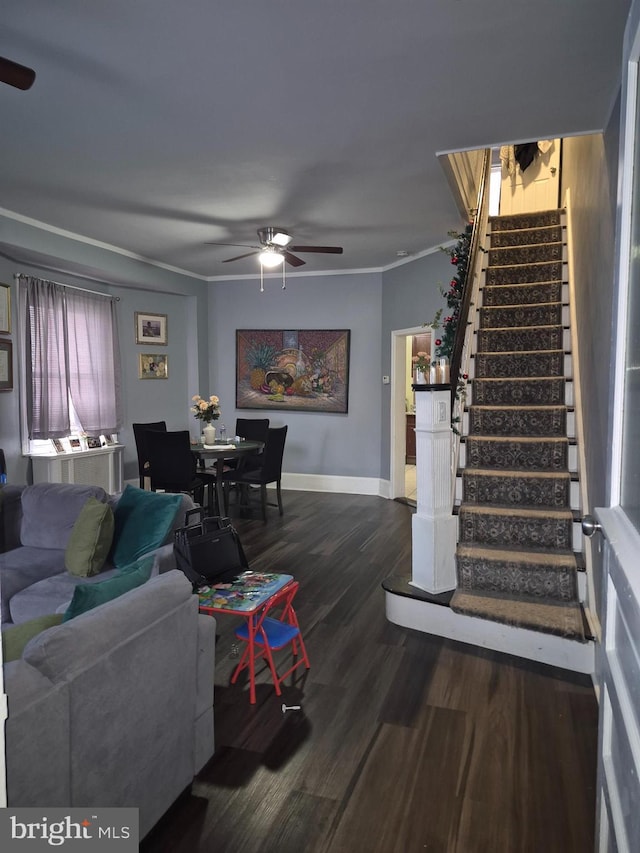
<point x="270" y="258"/>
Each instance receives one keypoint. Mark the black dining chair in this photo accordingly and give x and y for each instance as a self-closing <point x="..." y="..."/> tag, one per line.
<point x="251" y="429"/>
<point x="139" y="433"/>
<point x="173" y="465"/>
<point x="269" y="470"/>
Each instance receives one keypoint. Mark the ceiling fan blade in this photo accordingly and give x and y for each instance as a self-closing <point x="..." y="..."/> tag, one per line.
<point x="330" y="250"/>
<point x="239" y="257"/>
<point x="291" y="259"/>
<point x="16" y="75"/>
<point x="245" y="245"/>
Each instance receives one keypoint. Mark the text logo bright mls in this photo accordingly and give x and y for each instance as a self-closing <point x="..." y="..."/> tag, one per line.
<point x="74" y="829"/>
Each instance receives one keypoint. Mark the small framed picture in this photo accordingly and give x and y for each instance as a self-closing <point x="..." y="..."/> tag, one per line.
<point x="151" y="329"/>
<point x="75" y="444"/>
<point x="6" y="366"/>
<point x="5" y="308"/>
<point x="152" y="366"/>
<point x="57" y="445"/>
<point x="93" y="442"/>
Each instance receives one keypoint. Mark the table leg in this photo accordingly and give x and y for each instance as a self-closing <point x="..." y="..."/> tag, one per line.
<point x="252" y="660"/>
<point x="219" y="485"/>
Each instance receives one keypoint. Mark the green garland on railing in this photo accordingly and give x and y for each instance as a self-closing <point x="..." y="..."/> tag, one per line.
<point x="459" y="255"/>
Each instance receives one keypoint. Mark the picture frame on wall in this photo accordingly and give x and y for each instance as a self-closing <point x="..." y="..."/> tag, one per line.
<point x="6" y="366"/>
<point x="151" y="329"/>
<point x="5" y="309"/>
<point x="153" y="366"/>
<point x="305" y="370"/>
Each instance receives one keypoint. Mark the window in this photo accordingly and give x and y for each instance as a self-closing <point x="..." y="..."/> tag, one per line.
<point x="71" y="358"/>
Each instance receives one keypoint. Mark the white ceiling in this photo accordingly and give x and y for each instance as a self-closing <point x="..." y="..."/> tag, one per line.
<point x="158" y="125"/>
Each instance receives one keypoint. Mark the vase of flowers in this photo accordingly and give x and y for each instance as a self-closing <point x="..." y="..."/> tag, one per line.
<point x="421" y="364"/>
<point x="206" y="411"/>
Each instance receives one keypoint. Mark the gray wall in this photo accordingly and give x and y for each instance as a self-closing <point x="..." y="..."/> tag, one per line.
<point x="589" y="170"/>
<point x="331" y="444"/>
<point x="410" y="297"/>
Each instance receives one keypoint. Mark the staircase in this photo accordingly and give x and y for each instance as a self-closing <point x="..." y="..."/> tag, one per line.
<point x="518" y="494"/>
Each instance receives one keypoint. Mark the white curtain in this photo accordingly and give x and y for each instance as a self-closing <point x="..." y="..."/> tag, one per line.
<point x="72" y="358"/>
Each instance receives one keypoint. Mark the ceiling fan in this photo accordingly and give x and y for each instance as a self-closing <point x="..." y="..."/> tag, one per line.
<point x="16" y="75"/>
<point x="275" y="247"/>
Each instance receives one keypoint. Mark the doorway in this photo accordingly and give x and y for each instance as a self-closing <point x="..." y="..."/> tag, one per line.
<point x="404" y="344"/>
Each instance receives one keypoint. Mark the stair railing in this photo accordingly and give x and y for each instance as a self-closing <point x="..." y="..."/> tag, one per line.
<point x="465" y="329"/>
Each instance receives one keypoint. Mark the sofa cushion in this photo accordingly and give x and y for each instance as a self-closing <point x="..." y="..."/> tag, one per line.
<point x="90" y="540"/>
<point x="88" y="596"/>
<point x="143" y="521"/>
<point x="23" y="567"/>
<point x="16" y="637"/>
<point x="71" y="647"/>
<point x="50" y="595"/>
<point x="49" y="511"/>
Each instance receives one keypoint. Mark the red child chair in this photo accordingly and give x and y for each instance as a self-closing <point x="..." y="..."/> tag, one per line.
<point x="272" y="634"/>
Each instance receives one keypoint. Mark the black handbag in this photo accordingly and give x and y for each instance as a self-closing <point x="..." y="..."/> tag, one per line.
<point x="209" y="551"/>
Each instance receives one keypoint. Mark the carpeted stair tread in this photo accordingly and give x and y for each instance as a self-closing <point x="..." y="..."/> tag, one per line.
<point x="551" y="617"/>
<point x="526" y="236"/>
<point x="518" y="420"/>
<point x="525" y="273"/>
<point x="519" y="365"/>
<point x="521" y="221"/>
<point x="513" y="316"/>
<point x="524" y="254"/>
<point x="523" y="453"/>
<point x="521" y="294"/>
<point x="519" y="391"/>
<point x="521" y="488"/>
<point x="554" y="558"/>
<point x="522" y="526"/>
<point x="520" y="339"/>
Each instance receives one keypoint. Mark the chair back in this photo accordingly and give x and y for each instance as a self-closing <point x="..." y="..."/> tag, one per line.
<point x="253" y="429"/>
<point x="139" y="433"/>
<point x="173" y="464"/>
<point x="282" y="601"/>
<point x="272" y="455"/>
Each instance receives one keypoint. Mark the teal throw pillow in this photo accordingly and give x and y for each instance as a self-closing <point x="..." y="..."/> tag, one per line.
<point x="143" y="520"/>
<point x="90" y="595"/>
<point x="90" y="540"/>
<point x="16" y="637"/>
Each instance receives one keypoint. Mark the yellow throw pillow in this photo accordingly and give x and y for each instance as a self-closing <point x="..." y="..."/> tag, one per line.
<point x="90" y="539"/>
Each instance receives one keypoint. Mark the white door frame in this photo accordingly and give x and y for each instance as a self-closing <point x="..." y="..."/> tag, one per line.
<point x="398" y="432"/>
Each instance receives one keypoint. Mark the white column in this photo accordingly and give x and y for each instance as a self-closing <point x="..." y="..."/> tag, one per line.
<point x="433" y="526"/>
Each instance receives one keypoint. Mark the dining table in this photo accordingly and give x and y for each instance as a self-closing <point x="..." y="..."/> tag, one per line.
<point x="221" y="452"/>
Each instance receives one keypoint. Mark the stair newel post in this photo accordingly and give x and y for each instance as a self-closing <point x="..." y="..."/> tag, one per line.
<point x="433" y="525"/>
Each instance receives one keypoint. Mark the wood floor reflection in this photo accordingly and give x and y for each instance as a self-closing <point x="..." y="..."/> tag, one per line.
<point x="405" y="742"/>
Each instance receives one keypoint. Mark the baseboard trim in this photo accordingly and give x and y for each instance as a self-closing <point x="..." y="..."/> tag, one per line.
<point x="441" y="621"/>
<point x="336" y="484"/>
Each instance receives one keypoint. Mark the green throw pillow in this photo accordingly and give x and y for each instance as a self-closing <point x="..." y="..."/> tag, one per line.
<point x="90" y="595"/>
<point x="143" y="520"/>
<point x="15" y="638"/>
<point x="90" y="540"/>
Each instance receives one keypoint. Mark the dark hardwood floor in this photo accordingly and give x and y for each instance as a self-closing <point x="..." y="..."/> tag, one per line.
<point x="405" y="742"/>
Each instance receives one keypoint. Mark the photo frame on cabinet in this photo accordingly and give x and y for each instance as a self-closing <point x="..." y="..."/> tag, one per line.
<point x="151" y="329"/>
<point x="5" y="309"/>
<point x="6" y="366"/>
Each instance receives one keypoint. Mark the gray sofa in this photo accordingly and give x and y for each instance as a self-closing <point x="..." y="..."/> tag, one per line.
<point x="36" y="523"/>
<point x="114" y="707"/>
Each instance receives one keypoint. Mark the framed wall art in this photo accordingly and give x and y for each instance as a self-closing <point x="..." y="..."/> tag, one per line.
<point x="5" y="308"/>
<point x="6" y="366"/>
<point x="304" y="370"/>
<point x="151" y="329"/>
<point x="152" y="366"/>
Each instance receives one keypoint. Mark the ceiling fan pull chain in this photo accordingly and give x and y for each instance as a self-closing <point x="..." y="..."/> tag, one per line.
<point x="261" y="279"/>
<point x="284" y="278"/>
